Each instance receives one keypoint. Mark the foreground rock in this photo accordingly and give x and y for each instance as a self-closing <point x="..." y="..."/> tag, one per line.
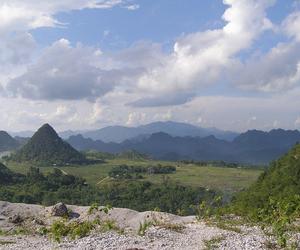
<point x="167" y="232"/>
<point x="60" y="210"/>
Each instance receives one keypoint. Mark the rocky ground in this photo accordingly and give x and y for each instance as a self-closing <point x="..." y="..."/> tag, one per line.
<point x="131" y="230"/>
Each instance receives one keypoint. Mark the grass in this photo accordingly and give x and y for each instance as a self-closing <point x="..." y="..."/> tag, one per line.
<point x="213" y="243"/>
<point x="6" y="242"/>
<point x="172" y="227"/>
<point x="228" y="180"/>
<point x="227" y="227"/>
<point x="232" y="223"/>
<point x="144" y="227"/>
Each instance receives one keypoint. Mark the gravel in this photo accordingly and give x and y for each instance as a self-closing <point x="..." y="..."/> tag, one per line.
<point x="191" y="235"/>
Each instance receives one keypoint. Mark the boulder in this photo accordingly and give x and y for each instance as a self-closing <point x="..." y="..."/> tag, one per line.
<point x="60" y="209"/>
<point x="16" y="219"/>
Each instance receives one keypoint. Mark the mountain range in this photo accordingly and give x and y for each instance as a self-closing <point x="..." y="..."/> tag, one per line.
<point x="252" y="147"/>
<point x="121" y="133"/>
<point x="179" y="141"/>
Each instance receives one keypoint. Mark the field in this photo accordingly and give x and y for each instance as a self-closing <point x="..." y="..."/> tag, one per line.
<point x="226" y="180"/>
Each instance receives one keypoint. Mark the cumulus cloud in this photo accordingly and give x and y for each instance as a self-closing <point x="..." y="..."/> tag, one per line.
<point x="18" y="18"/>
<point x="30" y="14"/>
<point x="291" y="25"/>
<point x="16" y="48"/>
<point x="277" y="70"/>
<point x="201" y="58"/>
<point x="135" y="118"/>
<point x="297" y="122"/>
<point x="67" y="73"/>
<point x="145" y="77"/>
<point x="160" y="79"/>
<point x="132" y="7"/>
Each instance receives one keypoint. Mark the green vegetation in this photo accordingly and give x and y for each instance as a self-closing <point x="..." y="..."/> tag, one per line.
<point x="274" y="200"/>
<point x="47" y="148"/>
<point x="50" y="188"/>
<point x="130" y="155"/>
<point x="225" y="180"/>
<point x="223" y="164"/>
<point x="6" y="242"/>
<point x="73" y="230"/>
<point x="134" y="172"/>
<point x="213" y="243"/>
<point x="143" y="227"/>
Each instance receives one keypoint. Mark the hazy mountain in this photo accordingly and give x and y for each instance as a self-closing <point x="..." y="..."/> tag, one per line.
<point x="46" y="147"/>
<point x="252" y="147"/>
<point x="133" y="155"/>
<point x="68" y="133"/>
<point x="255" y="139"/>
<point x="22" y="140"/>
<point x="84" y="144"/>
<point x="121" y="133"/>
<point x="7" y="143"/>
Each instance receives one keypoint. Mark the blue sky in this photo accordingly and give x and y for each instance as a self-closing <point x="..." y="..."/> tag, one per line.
<point x="232" y="64"/>
<point x="157" y="21"/>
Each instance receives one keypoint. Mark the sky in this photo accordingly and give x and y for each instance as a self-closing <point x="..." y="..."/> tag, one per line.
<point x="87" y="64"/>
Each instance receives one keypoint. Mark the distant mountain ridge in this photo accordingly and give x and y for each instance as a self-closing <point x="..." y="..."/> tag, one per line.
<point x="252" y="147"/>
<point x="121" y="133"/>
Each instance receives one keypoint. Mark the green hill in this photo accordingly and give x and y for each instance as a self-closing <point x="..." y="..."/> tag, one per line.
<point x="47" y="148"/>
<point x="7" y="176"/>
<point x="279" y="185"/>
<point x="132" y="155"/>
<point x="7" y="143"/>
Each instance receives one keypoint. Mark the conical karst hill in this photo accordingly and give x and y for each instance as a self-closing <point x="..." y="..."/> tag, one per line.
<point x="46" y="147"/>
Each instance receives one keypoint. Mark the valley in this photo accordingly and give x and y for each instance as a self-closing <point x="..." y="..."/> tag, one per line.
<point x="150" y="125"/>
<point x="227" y="180"/>
<point x="221" y="195"/>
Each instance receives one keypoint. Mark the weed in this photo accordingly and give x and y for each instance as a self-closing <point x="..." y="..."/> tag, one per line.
<point x="109" y="225"/>
<point x="143" y="227"/>
<point x="213" y="243"/>
<point x="6" y="242"/>
<point x="94" y="207"/>
<point x="43" y="231"/>
<point x="74" y="230"/>
<point x="228" y="227"/>
<point x="172" y="227"/>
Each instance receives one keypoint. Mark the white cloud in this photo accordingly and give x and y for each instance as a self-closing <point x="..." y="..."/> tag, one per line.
<point x="135" y="118"/>
<point x="291" y="25"/>
<point x="201" y="58"/>
<point x="143" y="68"/>
<point x="30" y="14"/>
<point x="297" y="122"/>
<point x="100" y="83"/>
<point x="132" y="7"/>
<point x="65" y="72"/>
<point x="278" y="70"/>
<point x="18" y="17"/>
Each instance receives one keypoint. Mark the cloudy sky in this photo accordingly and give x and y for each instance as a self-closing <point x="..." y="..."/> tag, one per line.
<point x="84" y="64"/>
